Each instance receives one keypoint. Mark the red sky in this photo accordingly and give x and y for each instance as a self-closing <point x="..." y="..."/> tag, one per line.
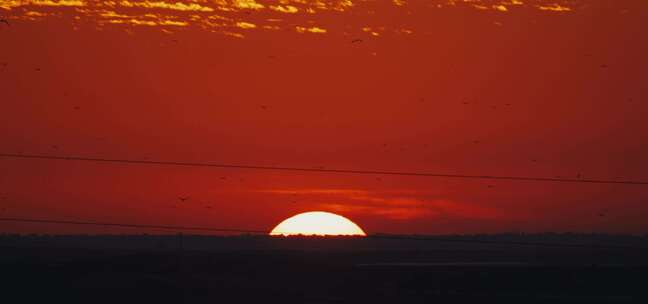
<point x="529" y="88"/>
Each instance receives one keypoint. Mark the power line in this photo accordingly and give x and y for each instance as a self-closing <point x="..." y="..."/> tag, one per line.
<point x="374" y="236"/>
<point x="139" y="226"/>
<point x="321" y="170"/>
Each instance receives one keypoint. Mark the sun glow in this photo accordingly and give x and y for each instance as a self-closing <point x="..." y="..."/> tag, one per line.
<point x="317" y="223"/>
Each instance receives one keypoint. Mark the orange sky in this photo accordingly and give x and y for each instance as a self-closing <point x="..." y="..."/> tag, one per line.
<point x="530" y="88"/>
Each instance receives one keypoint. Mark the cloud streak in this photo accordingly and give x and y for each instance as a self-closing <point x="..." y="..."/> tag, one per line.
<point x="200" y="13"/>
<point x="392" y="205"/>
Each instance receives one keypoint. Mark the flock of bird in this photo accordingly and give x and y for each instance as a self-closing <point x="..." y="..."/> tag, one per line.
<point x="183" y="199"/>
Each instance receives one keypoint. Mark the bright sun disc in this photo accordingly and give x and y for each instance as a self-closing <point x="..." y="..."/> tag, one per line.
<point x="317" y="223"/>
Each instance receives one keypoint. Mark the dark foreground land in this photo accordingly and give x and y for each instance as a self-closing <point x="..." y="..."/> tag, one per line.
<point x="260" y="269"/>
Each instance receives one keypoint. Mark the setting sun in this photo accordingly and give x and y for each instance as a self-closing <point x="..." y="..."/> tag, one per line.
<point x="317" y="223"/>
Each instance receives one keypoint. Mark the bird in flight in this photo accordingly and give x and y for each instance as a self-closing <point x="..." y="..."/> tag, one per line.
<point x="356" y="40"/>
<point x="5" y="21"/>
<point x="183" y="198"/>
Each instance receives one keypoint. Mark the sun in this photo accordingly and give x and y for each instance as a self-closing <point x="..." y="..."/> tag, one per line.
<point x="317" y="223"/>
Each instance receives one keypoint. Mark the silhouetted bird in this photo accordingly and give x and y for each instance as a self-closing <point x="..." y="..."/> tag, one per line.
<point x="183" y="198"/>
<point x="37" y="69"/>
<point x="534" y="160"/>
<point x="5" y="22"/>
<point x="356" y="40"/>
<point x="263" y="107"/>
<point x="223" y="177"/>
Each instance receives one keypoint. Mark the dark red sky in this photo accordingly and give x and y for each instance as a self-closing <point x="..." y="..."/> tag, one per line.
<point x="536" y="88"/>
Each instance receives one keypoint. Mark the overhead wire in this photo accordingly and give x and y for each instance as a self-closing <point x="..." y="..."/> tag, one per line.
<point x="463" y="239"/>
<point x="321" y="170"/>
